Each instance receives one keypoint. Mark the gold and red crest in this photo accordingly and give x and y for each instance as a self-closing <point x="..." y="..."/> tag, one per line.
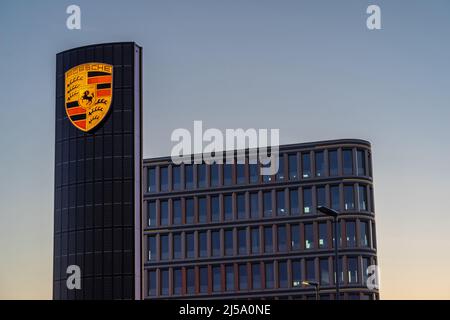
<point x="88" y="90"/>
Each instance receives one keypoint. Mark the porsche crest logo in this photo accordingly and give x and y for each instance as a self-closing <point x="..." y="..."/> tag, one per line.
<point x="88" y="90"/>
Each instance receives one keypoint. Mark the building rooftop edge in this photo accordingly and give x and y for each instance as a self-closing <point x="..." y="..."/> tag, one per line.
<point x="98" y="44"/>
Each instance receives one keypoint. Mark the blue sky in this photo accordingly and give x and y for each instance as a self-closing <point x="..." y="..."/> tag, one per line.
<point x="310" y="68"/>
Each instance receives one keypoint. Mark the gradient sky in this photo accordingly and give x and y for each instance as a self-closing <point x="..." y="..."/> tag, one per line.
<point x="309" y="68"/>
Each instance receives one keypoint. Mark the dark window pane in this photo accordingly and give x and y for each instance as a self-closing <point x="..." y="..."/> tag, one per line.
<point x="267" y="204"/>
<point x="254" y="172"/>
<point x="164" y="211"/>
<point x="281" y="238"/>
<point x="295" y="237"/>
<point x="201" y="175"/>
<point x="240" y="168"/>
<point x="177" y="281"/>
<point x="282" y="275"/>
<point x="242" y="235"/>
<point x="256" y="276"/>
<point x="202" y="210"/>
<point x="203" y="279"/>
<point x="335" y="200"/>
<point x="310" y="270"/>
<point x="320" y="164"/>
<point x="215" y="168"/>
<point x="281" y="208"/>
<point x="348" y="161"/>
<point x="269" y="275"/>
<point x="293" y="198"/>
<point x="265" y="177"/>
<point x="228" y="207"/>
<point x="164" y="282"/>
<point x="364" y="234"/>
<point x="190" y="280"/>
<point x="324" y="272"/>
<point x="229" y="278"/>
<point x="255" y="240"/>
<point x="152" y="283"/>
<point x="268" y="240"/>
<point x="280" y="173"/>
<point x="306" y="165"/>
<point x="152" y="214"/>
<point x="321" y="197"/>
<point x="217" y="279"/>
<point x="177" y="212"/>
<point x="352" y="270"/>
<point x="323" y="235"/>
<point x="365" y="273"/>
<point x="361" y="163"/>
<point x="190" y="245"/>
<point x="229" y="242"/>
<point x="293" y="168"/>
<point x="215" y="245"/>
<point x="215" y="208"/>
<point x="307" y="200"/>
<point x="177" y="252"/>
<point x="189" y="176"/>
<point x="151" y="180"/>
<point x="296" y="273"/>
<point x="349" y="198"/>
<point x="243" y="278"/>
<point x="227" y="174"/>
<point x="190" y="214"/>
<point x="309" y="236"/>
<point x="351" y="233"/>
<point x="254" y="205"/>
<point x="241" y="206"/>
<point x="164" y="179"/>
<point x="333" y="162"/>
<point x="176" y="178"/>
<point x="152" y="248"/>
<point x="362" y="194"/>
<point x="203" y="240"/>
<point x="164" y="247"/>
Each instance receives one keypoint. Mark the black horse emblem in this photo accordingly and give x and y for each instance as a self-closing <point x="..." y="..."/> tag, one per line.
<point x="87" y="97"/>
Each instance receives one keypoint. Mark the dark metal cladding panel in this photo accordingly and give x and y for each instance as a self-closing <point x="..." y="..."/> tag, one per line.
<point x="96" y="211"/>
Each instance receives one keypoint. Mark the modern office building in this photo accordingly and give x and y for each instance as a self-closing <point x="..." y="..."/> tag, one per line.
<point x="225" y="231"/>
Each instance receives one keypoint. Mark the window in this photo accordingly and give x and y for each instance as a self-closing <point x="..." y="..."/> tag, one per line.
<point x="267" y="177"/>
<point x="349" y="198"/>
<point x="254" y="205"/>
<point x="202" y="210"/>
<point x="243" y="278"/>
<point x="164" y="212"/>
<point x="229" y="242"/>
<point x="280" y="173"/>
<point x="164" y="282"/>
<point x="307" y="200"/>
<point x="351" y="233"/>
<point x="176" y="178"/>
<point x="164" y="242"/>
<point x="228" y="204"/>
<point x="335" y="200"/>
<point x="242" y="239"/>
<point x="348" y="161"/>
<point x="215" y="168"/>
<point x="240" y="169"/>
<point x="152" y="283"/>
<point x="152" y="248"/>
<point x="241" y="206"/>
<point x="374" y="239"/>
<point x="227" y="174"/>
<point x="281" y="209"/>
<point x="310" y="270"/>
<point x="292" y="159"/>
<point x="177" y="212"/>
<point x="306" y="165"/>
<point x="151" y="213"/>
<point x="229" y="278"/>
<point x="361" y="163"/>
<point x="365" y="271"/>
<point x="190" y="215"/>
<point x="215" y="245"/>
<point x="203" y="240"/>
<point x="364" y="234"/>
<point x="309" y="236"/>
<point x="323" y="235"/>
<point x="177" y="281"/>
<point x="268" y="240"/>
<point x="352" y="270"/>
<point x="372" y="202"/>
<point x="203" y="279"/>
<point x="321" y="197"/>
<point x="256" y="276"/>
<point x="254" y="176"/>
<point x="190" y="280"/>
<point x="201" y="175"/>
<point x="215" y="208"/>
<point x="362" y="194"/>
<point x="293" y="198"/>
<point x="333" y="162"/>
<point x="324" y="272"/>
<point x="269" y="275"/>
<point x="189" y="176"/>
<point x="339" y="234"/>
<point x="255" y="240"/>
<point x="267" y="204"/>
<point x="296" y="273"/>
<point x="295" y="237"/>
<point x="282" y="275"/>
<point x="281" y="238"/>
<point x="190" y="245"/>
<point x="177" y="252"/>
<point x="217" y="278"/>
<point x="164" y="186"/>
<point x="151" y="180"/>
<point x="320" y="164"/>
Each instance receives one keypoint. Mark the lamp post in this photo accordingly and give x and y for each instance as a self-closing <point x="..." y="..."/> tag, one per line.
<point x="316" y="287"/>
<point x="333" y="213"/>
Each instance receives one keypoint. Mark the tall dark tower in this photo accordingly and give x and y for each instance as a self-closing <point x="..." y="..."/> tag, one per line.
<point x="98" y="152"/>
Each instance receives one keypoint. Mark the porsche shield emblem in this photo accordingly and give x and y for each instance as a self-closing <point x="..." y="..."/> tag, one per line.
<point x="88" y="90"/>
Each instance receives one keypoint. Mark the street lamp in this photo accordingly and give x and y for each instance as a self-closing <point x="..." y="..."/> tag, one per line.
<point x="333" y="213"/>
<point x="316" y="286"/>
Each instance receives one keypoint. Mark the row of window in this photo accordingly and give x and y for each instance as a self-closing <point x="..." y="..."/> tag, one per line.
<point x="254" y="205"/>
<point x="292" y="166"/>
<point x="258" y="239"/>
<point x="237" y="277"/>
